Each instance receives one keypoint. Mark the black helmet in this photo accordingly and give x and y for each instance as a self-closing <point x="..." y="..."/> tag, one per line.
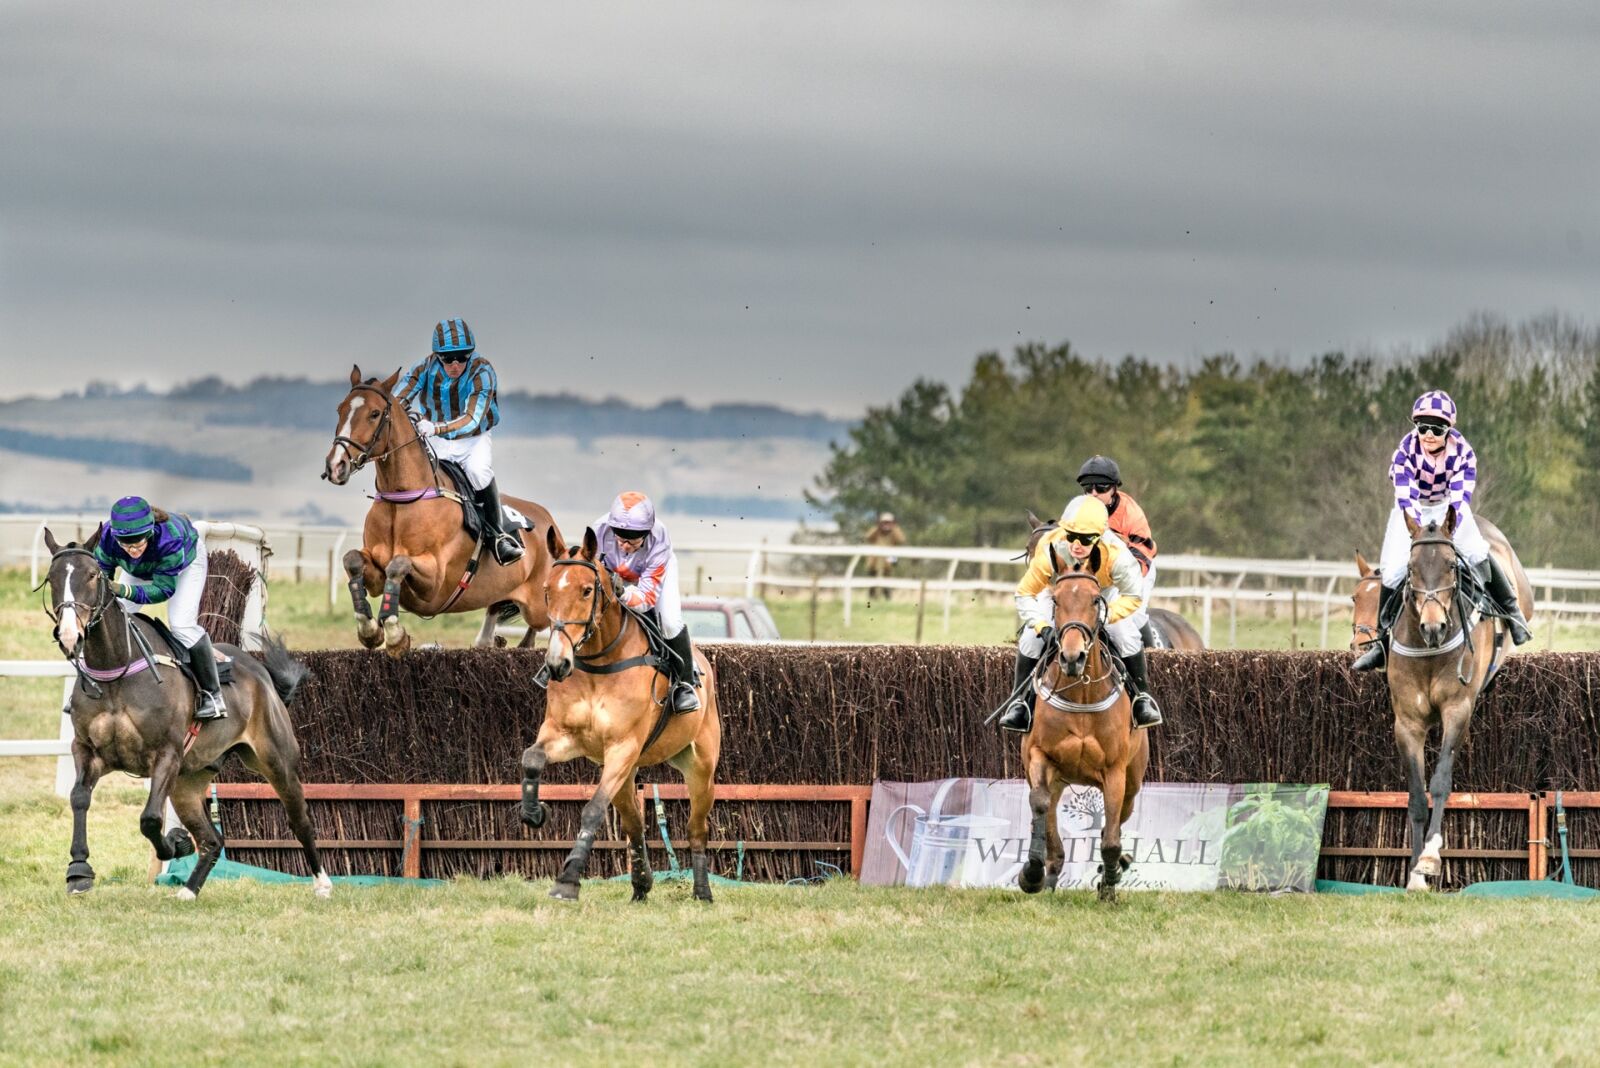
<point x="1099" y="469"/>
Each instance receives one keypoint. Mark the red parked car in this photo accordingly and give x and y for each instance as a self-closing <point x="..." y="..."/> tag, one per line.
<point x="729" y="619"/>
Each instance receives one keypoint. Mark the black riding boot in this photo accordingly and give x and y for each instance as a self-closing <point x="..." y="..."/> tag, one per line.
<point x="1146" y="713"/>
<point x="1498" y="583"/>
<point x="507" y="547"/>
<point x="1018" y="715"/>
<point x="1377" y="652"/>
<point x="203" y="662"/>
<point x="682" y="697"/>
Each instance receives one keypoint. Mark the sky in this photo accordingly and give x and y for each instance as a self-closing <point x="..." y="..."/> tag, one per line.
<point x="803" y="203"/>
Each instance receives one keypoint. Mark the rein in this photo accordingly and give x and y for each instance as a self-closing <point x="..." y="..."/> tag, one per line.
<point x="132" y="636"/>
<point x="598" y="603"/>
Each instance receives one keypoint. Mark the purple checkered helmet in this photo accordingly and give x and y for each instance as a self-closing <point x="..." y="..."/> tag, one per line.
<point x="1435" y="404"/>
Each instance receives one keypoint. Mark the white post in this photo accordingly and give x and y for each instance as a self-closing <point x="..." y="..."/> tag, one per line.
<point x="66" y="770"/>
<point x="1327" y="607"/>
<point x="949" y="577"/>
<point x="1205" y="619"/>
<point x="849" y="592"/>
<point x="333" y="569"/>
<point x="33" y="554"/>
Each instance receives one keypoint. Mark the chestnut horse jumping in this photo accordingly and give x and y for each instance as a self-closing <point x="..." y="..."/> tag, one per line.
<point x="1082" y="734"/>
<point x="415" y="550"/>
<point x="606" y="702"/>
<point x="1440" y="655"/>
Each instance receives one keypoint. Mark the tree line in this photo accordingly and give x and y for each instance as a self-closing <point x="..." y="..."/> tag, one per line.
<point x="1237" y="458"/>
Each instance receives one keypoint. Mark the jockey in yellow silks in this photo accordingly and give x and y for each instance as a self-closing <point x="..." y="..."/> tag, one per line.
<point x="1081" y="535"/>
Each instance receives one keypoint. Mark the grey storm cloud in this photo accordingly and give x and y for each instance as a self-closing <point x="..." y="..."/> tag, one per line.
<point x="809" y="203"/>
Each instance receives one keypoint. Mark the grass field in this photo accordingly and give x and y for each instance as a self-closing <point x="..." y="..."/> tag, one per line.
<point x="496" y="973"/>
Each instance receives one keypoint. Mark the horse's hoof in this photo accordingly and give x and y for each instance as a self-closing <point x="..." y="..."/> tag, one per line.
<point x="703" y="893"/>
<point x="80" y="885"/>
<point x="1031" y="879"/>
<point x="1108" y="893"/>
<point x="180" y="843"/>
<point x="368" y="633"/>
<point x="564" y="891"/>
<point x="536" y="816"/>
<point x="185" y="894"/>
<point x="641" y="897"/>
<point x="1417" y="883"/>
<point x="1428" y="865"/>
<point x="1125" y="862"/>
<point x="322" y="886"/>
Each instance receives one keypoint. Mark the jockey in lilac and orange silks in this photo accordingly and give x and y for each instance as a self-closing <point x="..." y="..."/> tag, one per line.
<point x="456" y="390"/>
<point x="163" y="558"/>
<point x="635" y="547"/>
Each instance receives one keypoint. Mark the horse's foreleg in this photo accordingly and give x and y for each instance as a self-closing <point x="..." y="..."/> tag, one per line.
<point x="1031" y="878"/>
<point x="363" y="576"/>
<point x="1055" y="851"/>
<point x="1410" y="737"/>
<point x="395" y="639"/>
<point x="1113" y="862"/>
<point x="1455" y="719"/>
<point x="621" y="762"/>
<point x="631" y="815"/>
<point x="80" y="877"/>
<point x="162" y="774"/>
<point x="189" y="802"/>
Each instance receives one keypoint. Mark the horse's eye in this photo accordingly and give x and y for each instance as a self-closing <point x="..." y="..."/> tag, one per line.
<point x="587" y="590"/>
<point x="372" y="417"/>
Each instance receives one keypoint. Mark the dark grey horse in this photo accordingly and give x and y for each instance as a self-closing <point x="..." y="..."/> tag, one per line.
<point x="132" y="715"/>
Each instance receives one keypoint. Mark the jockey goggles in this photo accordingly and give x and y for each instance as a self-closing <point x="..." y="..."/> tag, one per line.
<point x="1430" y="426"/>
<point x="129" y="541"/>
<point x="1082" y="539"/>
<point x="1097" y="487"/>
<point x="454" y="357"/>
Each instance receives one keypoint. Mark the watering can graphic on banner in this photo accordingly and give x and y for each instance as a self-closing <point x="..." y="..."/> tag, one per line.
<point x="962" y="848"/>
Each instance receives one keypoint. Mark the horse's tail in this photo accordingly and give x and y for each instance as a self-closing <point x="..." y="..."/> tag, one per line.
<point x="287" y="672"/>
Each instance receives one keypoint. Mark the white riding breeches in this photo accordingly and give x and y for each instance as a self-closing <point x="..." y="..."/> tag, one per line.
<point x="183" y="607"/>
<point x="474" y="454"/>
<point x="1396" y="555"/>
<point x="669" y="604"/>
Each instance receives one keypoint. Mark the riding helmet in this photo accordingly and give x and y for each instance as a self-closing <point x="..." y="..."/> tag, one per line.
<point x="1084" y="515"/>
<point x="1435" y="404"/>
<point x="453" y="335"/>
<point x="1099" y="469"/>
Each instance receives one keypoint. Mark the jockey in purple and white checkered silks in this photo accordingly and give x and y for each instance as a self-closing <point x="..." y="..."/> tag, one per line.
<point x="1435" y="472"/>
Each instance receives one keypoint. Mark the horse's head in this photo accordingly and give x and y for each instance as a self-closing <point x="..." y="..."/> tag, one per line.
<point x="1364" y="602"/>
<point x="1431" y="577"/>
<point x="1080" y="611"/>
<point x="79" y="593"/>
<point x="577" y="597"/>
<point x="365" y="423"/>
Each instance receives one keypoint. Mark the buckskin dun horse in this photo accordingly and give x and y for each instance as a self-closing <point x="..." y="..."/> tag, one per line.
<point x="606" y="702"/>
<point x="1082" y="734"/>
<point x="415" y="550"/>
<point x="134" y="716"/>
<point x="1440" y="658"/>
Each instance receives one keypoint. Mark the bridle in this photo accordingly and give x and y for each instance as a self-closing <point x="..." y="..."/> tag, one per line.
<point x="1432" y="595"/>
<point x="1091" y="635"/>
<point x="96" y="612"/>
<point x="362" y="453"/>
<point x="1370" y="630"/>
<point x="598" y="602"/>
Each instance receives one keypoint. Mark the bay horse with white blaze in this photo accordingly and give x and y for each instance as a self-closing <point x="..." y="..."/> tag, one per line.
<point x="1441" y="657"/>
<point x="130" y="714"/>
<point x="606" y="701"/>
<point x="1082" y="734"/>
<point x="415" y="550"/>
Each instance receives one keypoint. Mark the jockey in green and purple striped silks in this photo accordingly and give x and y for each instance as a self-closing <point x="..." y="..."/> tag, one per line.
<point x="456" y="389"/>
<point x="163" y="559"/>
<point x="1435" y="473"/>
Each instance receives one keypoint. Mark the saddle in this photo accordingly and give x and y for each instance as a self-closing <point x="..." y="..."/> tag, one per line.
<point x="180" y="655"/>
<point x="472" y="517"/>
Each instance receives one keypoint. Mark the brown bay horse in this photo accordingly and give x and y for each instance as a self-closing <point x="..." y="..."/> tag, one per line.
<point x="415" y="550"/>
<point x="606" y="703"/>
<point x="1439" y="662"/>
<point x="1082" y="734"/>
<point x="132" y="715"/>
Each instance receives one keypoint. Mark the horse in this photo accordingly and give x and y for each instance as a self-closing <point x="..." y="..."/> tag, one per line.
<point x="1428" y="685"/>
<point x="606" y="702"/>
<point x="1082" y="734"/>
<point x="415" y="550"/>
<point x="1166" y="629"/>
<point x="129" y="715"/>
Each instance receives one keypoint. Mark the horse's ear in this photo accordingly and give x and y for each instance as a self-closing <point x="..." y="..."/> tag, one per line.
<point x="1034" y="522"/>
<point x="1412" y="526"/>
<point x="591" y="544"/>
<point x="388" y="383"/>
<point x="1055" y="561"/>
<point x="99" y="531"/>
<point x="50" y="542"/>
<point x="1362" y="565"/>
<point x="1449" y="521"/>
<point x="355" y="374"/>
<point x="552" y="543"/>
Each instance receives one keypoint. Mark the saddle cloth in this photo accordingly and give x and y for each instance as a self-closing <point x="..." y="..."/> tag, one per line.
<point x="470" y="517"/>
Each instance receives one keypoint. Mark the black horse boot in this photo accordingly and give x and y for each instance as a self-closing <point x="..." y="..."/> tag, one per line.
<point x="203" y="662"/>
<point x="1498" y="583"/>
<point x="1019" y="713"/>
<point x="682" y="698"/>
<point x="1377" y="652"/>
<point x="1146" y="713"/>
<point x="507" y="547"/>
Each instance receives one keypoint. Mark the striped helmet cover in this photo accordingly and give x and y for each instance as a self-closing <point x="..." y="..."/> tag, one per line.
<point x="131" y="516"/>
<point x="453" y="335"/>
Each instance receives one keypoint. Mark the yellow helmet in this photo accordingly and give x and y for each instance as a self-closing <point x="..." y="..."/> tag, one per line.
<point x="1084" y="515"/>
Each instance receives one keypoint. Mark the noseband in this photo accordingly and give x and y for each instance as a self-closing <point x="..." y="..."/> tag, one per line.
<point x="1432" y="595"/>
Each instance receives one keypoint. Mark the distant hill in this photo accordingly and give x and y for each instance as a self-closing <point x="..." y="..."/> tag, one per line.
<point x="304" y="404"/>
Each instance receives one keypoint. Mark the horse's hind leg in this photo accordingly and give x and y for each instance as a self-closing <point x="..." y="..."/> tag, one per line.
<point x="161" y="777"/>
<point x="698" y="778"/>
<point x="1031" y="878"/>
<point x="278" y="762"/>
<point x="1456" y="717"/>
<point x="618" y="770"/>
<point x="395" y="639"/>
<point x="1409" y="738"/>
<point x="631" y="816"/>
<point x="363" y="576"/>
<point x="189" y="802"/>
<point x="80" y="877"/>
